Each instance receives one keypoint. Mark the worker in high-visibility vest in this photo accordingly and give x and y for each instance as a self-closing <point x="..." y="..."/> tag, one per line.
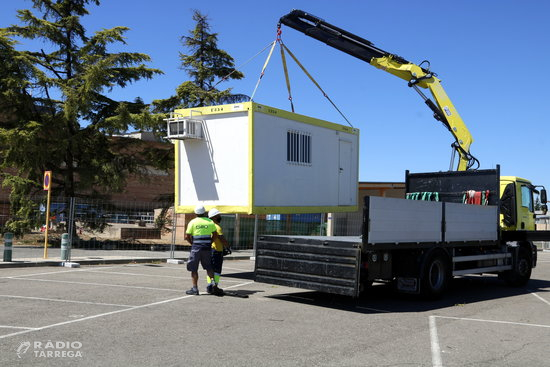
<point x="200" y="232"/>
<point x="220" y="246"/>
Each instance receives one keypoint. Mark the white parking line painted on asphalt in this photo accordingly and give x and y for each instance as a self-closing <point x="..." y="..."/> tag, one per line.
<point x="493" y="321"/>
<point x="65" y="301"/>
<point x="436" y="350"/>
<point x="105" y="314"/>
<point x="542" y="299"/>
<point x="57" y="272"/>
<point x="181" y="277"/>
<point x="179" y="267"/>
<point x="138" y="274"/>
<point x="98" y="284"/>
<point x="16" y="327"/>
<point x="434" y="343"/>
<point x="33" y="274"/>
<point x="156" y="266"/>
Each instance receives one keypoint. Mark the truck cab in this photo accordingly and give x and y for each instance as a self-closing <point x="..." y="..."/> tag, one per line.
<point x="518" y="203"/>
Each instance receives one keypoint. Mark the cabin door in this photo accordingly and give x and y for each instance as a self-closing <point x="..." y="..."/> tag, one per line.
<point x="345" y="195"/>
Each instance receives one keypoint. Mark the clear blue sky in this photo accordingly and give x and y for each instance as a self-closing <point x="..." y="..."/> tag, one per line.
<point x="491" y="55"/>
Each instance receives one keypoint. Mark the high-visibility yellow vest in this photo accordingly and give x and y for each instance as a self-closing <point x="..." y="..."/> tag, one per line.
<point x="201" y="230"/>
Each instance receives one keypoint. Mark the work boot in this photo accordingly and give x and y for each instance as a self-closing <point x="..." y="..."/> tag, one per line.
<point x="193" y="292"/>
<point x="209" y="288"/>
<point x="217" y="291"/>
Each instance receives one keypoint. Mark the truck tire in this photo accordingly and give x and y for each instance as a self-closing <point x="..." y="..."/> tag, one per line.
<point x="436" y="275"/>
<point x="520" y="275"/>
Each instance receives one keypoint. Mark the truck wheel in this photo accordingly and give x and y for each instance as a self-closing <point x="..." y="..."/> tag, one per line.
<point x="435" y="275"/>
<point x="520" y="275"/>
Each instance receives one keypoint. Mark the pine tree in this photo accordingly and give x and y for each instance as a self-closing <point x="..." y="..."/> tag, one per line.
<point x="207" y="66"/>
<point x="54" y="110"/>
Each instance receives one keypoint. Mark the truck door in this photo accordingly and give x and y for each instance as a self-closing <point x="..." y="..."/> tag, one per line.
<point x="517" y="205"/>
<point x="526" y="211"/>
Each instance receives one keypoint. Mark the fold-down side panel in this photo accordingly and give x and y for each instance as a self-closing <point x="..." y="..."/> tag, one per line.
<point x="314" y="263"/>
<point x="470" y="222"/>
<point x="391" y="220"/>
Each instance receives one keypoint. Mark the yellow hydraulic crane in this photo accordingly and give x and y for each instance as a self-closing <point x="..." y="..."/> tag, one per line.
<point x="416" y="76"/>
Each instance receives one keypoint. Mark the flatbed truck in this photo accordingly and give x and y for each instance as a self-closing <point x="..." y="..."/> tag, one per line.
<point x="419" y="245"/>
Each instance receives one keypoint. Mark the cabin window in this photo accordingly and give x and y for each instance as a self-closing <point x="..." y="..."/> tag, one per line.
<point x="527" y="198"/>
<point x="298" y="147"/>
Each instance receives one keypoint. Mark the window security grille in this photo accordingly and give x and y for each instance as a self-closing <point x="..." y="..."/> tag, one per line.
<point x="298" y="147"/>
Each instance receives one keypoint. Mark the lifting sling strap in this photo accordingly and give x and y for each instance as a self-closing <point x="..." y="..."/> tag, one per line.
<point x="263" y="69"/>
<point x="287" y="79"/>
<point x="283" y="49"/>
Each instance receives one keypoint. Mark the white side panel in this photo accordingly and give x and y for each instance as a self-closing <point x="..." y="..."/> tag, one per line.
<point x="398" y="220"/>
<point x="215" y="171"/>
<point x="470" y="222"/>
<point x="278" y="182"/>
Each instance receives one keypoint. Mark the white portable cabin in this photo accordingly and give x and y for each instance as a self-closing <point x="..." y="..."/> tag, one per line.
<point x="254" y="159"/>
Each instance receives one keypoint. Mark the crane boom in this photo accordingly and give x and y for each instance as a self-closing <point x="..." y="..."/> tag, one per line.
<point x="415" y="75"/>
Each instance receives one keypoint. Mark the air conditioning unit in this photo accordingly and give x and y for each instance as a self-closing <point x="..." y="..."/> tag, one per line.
<point x="184" y="128"/>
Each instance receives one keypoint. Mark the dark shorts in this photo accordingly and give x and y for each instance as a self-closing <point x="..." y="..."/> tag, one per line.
<point x="199" y="254"/>
<point x="217" y="261"/>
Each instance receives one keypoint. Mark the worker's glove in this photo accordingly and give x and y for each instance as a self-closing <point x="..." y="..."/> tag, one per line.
<point x="227" y="251"/>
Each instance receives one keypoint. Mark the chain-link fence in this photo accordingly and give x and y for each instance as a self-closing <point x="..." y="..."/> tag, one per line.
<point x="96" y="225"/>
<point x="105" y="226"/>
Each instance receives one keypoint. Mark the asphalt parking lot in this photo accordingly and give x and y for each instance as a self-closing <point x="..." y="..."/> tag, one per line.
<point x="138" y="314"/>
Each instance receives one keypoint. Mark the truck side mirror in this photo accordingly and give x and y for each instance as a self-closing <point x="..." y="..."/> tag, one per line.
<point x="544" y="209"/>
<point x="543" y="198"/>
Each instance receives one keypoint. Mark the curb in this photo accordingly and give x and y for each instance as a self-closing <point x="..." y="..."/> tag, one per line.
<point x="26" y="264"/>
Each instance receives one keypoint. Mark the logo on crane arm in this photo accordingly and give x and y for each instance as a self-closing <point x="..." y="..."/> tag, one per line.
<point x="447" y="111"/>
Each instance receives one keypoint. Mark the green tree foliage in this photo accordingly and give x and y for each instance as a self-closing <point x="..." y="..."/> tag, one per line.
<point x="207" y="66"/>
<point x="55" y="111"/>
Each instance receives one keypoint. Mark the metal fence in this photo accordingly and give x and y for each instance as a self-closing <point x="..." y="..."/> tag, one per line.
<point x="104" y="226"/>
<point x="543" y="224"/>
